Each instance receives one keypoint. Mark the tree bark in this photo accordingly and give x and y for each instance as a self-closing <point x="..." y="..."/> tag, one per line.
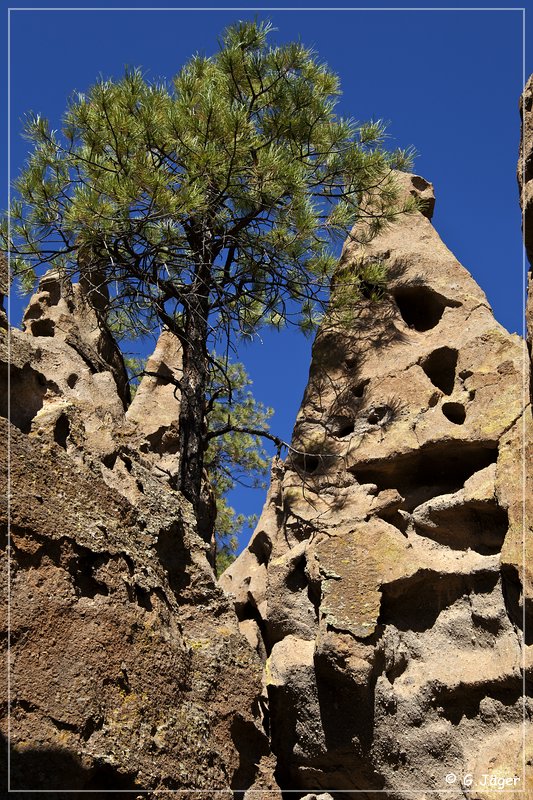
<point x="192" y="423"/>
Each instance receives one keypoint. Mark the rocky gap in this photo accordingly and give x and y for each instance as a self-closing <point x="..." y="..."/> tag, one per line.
<point x="514" y="599"/>
<point x="395" y="518"/>
<point x="455" y="412"/>
<point x="105" y="777"/>
<point x="359" y="389"/>
<point x="340" y="426"/>
<point x="81" y="569"/>
<point x="420" y="306"/>
<point x="440" y="367"/>
<point x="42" y="327"/>
<point x="480" y="526"/>
<point x="28" y="388"/>
<point x="463" y="700"/>
<point x="306" y="462"/>
<point x="251" y="747"/>
<point x="413" y="603"/>
<point x="62" y="431"/>
<point x="261" y="547"/>
<point x="249" y="611"/>
<point x="435" y="469"/>
<point x="176" y="559"/>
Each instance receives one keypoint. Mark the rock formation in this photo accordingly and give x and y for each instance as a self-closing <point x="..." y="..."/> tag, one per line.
<point x="128" y="670"/>
<point x="383" y="586"/>
<point x="377" y="626"/>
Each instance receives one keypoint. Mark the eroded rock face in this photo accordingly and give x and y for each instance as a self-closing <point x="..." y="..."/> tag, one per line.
<point x="384" y="582"/>
<point x="128" y="670"/>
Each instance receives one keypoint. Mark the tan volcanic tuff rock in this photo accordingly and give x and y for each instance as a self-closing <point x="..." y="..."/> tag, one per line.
<point x="383" y="583"/>
<point x="65" y="312"/>
<point x="128" y="670"/>
<point x="519" y="472"/>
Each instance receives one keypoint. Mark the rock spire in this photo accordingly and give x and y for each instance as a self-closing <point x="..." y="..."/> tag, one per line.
<point x="383" y="584"/>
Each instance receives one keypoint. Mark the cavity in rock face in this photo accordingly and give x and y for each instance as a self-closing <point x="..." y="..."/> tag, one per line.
<point x="382" y="586"/>
<point x="128" y="670"/>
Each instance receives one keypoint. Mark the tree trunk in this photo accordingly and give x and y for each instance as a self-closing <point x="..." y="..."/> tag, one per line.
<point x="192" y="423"/>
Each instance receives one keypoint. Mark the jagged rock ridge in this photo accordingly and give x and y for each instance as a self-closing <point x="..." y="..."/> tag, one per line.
<point x="382" y="586"/>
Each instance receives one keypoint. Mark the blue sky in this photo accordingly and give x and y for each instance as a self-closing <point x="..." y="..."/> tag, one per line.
<point x="448" y="82"/>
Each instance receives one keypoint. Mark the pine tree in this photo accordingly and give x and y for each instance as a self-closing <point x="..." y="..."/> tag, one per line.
<point x="235" y="456"/>
<point x="210" y="205"/>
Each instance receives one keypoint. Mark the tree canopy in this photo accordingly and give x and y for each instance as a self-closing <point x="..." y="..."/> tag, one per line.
<point x="210" y="204"/>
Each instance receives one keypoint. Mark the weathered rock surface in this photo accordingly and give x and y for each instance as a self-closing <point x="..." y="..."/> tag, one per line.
<point x="384" y="583"/>
<point x="128" y="670"/>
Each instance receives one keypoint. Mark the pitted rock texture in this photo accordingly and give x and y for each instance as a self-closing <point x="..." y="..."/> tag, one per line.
<point x="128" y="670"/>
<point x="384" y="582"/>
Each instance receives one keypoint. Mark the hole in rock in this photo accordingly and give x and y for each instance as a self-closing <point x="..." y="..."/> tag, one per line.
<point x="398" y="667"/>
<point x="414" y="603"/>
<point x="434" y="399"/>
<point x="340" y="426"/>
<point x="105" y="777"/>
<point x="351" y="362"/>
<point x="421" y="307"/>
<point x="475" y="525"/>
<point x="82" y="573"/>
<point x="72" y="380"/>
<point x="43" y="327"/>
<point x="455" y="412"/>
<point x="377" y="414"/>
<point x="297" y="579"/>
<point x="34" y="311"/>
<point x="52" y="286"/>
<point x="359" y="389"/>
<point x="400" y="521"/>
<point x="306" y="462"/>
<point x="109" y="460"/>
<point x="261" y="547"/>
<point x="440" y="366"/>
<point x="434" y="469"/>
<point x="464" y="700"/>
<point x="143" y="598"/>
<point x="61" y="431"/>
<point x="27" y="391"/>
